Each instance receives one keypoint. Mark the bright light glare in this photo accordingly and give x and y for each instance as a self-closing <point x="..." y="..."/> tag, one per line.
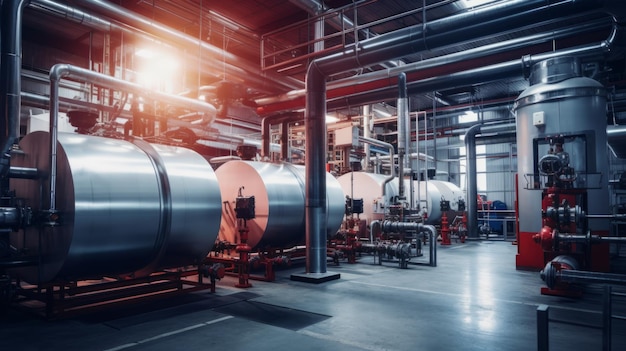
<point x="475" y="3"/>
<point x="158" y="71"/>
<point x="145" y="53"/>
<point x="331" y="119"/>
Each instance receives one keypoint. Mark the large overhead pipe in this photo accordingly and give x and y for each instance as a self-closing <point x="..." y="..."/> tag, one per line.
<point x="458" y="61"/>
<point x="232" y="65"/>
<point x="426" y="36"/>
<point x="482" y="74"/>
<point x="59" y="71"/>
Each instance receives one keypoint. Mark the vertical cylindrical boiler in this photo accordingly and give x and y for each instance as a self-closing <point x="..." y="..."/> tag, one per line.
<point x="279" y="193"/>
<point x="125" y="208"/>
<point x="561" y="102"/>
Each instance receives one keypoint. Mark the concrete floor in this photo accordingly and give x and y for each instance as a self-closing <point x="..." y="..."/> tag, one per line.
<point x="473" y="300"/>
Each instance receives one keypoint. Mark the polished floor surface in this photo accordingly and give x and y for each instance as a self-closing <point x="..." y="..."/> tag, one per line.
<point x="473" y="300"/>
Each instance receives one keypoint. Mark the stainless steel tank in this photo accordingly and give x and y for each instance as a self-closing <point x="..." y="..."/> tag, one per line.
<point x="562" y="102"/>
<point x="125" y="208"/>
<point x="279" y="194"/>
<point x="368" y="186"/>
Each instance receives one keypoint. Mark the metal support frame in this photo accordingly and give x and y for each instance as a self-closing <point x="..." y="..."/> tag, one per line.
<point x="64" y="299"/>
<point x="543" y="321"/>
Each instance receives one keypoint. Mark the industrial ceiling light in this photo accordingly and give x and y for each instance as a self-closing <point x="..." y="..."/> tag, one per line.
<point x="475" y="3"/>
<point x="331" y="119"/>
<point x="144" y="53"/>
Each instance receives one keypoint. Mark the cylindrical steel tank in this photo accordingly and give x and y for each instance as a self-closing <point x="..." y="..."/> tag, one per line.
<point x="560" y="101"/>
<point x="368" y="186"/>
<point x="279" y="194"/>
<point x="125" y="208"/>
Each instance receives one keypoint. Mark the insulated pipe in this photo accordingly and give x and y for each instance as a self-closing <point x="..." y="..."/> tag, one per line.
<point x="367" y="133"/>
<point x="616" y="135"/>
<point x="10" y="77"/>
<point x="403" y="123"/>
<point x="24" y="173"/>
<point x="59" y="71"/>
<point x="470" y="177"/>
<point x="233" y="65"/>
<point x="392" y="174"/>
<point x="427" y="36"/>
<point x="387" y="78"/>
<point x="469" y="77"/>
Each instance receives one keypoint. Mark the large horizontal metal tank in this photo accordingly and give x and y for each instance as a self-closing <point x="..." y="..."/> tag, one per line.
<point x="125" y="208"/>
<point x="561" y="102"/>
<point x="279" y="194"/>
<point x="368" y="186"/>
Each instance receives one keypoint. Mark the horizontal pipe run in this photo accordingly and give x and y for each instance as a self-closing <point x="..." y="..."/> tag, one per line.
<point x="576" y="276"/>
<point x="24" y="173"/>
<point x="60" y="71"/>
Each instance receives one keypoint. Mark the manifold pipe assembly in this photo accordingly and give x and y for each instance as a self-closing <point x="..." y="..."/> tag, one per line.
<point x="401" y="227"/>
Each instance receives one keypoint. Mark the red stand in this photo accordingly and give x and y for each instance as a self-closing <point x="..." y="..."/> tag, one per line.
<point x="244" y="256"/>
<point x="445" y="230"/>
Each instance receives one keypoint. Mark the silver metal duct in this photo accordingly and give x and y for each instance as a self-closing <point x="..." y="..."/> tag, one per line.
<point x="426" y="36"/>
<point x="10" y="79"/>
<point x="386" y="78"/>
<point x="482" y="74"/>
<point x="617" y="140"/>
<point x="232" y="65"/>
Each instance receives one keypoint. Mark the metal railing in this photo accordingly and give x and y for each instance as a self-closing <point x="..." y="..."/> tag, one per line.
<point x="291" y="47"/>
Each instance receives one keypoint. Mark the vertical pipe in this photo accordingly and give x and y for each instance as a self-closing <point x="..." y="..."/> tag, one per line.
<point x="10" y="77"/>
<point x="315" y="162"/>
<point x="403" y="116"/>
<point x="284" y="142"/>
<point x="470" y="177"/>
<point x="367" y="133"/>
<point x="426" y="159"/>
<point x="418" y="161"/>
<point x="56" y="73"/>
<point x="432" y="241"/>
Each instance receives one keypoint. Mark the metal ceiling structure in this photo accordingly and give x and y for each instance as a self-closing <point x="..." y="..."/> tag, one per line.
<point x="235" y="40"/>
